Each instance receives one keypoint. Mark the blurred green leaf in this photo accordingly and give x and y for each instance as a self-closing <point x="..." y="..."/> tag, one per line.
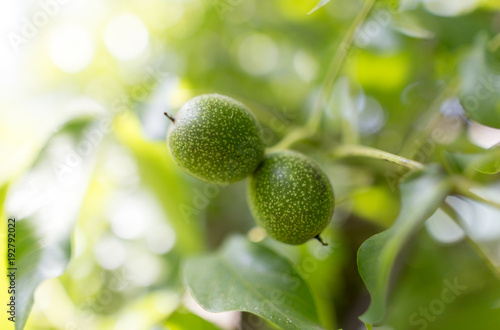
<point x="410" y="26"/>
<point x="479" y="73"/>
<point x="420" y="198"/>
<point x="426" y="277"/>
<point x="180" y="321"/>
<point x="26" y="154"/>
<point x="46" y="204"/>
<point x="487" y="162"/>
<point x="245" y="276"/>
<point x="162" y="175"/>
<point x="458" y="162"/>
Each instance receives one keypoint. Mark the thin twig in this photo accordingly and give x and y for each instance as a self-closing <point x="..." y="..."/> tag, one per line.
<point x="291" y="138"/>
<point x="463" y="186"/>
<point x="431" y="118"/>
<point x="487" y="258"/>
<point x="338" y="60"/>
<point x="361" y="151"/>
<point x="337" y="63"/>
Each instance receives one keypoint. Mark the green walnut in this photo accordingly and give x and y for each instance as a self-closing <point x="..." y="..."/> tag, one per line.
<point x="291" y="197"/>
<point x="216" y="139"/>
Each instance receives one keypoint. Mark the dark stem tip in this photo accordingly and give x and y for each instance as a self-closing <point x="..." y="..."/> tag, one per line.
<point x="320" y="240"/>
<point x="169" y="117"/>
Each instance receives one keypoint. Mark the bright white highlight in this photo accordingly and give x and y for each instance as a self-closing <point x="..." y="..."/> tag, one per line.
<point x="126" y="37"/>
<point x="70" y="48"/>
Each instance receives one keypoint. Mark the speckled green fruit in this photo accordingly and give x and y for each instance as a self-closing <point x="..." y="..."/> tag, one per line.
<point x="216" y="139"/>
<point x="290" y="197"/>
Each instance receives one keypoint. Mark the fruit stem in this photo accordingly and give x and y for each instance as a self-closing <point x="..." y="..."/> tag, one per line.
<point x="320" y="240"/>
<point x="169" y="117"/>
<point x="362" y="151"/>
<point x="296" y="135"/>
<point x="430" y="118"/>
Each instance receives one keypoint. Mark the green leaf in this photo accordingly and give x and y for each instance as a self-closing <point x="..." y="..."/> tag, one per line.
<point x="320" y="4"/>
<point x="420" y="198"/>
<point x="180" y="321"/>
<point x="480" y="82"/>
<point x="458" y="162"/>
<point x="46" y="202"/>
<point x="487" y="162"/>
<point x="245" y="276"/>
<point x="409" y="25"/>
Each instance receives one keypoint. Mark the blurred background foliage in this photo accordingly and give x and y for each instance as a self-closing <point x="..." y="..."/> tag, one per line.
<point x="106" y="217"/>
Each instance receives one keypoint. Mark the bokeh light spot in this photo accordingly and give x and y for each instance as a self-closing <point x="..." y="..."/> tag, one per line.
<point x="305" y="66"/>
<point x="70" y="48"/>
<point x="450" y="7"/>
<point x="109" y="252"/>
<point x="127" y="218"/>
<point x="161" y="239"/>
<point x="258" y="54"/>
<point x="126" y="37"/>
<point x="443" y="229"/>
